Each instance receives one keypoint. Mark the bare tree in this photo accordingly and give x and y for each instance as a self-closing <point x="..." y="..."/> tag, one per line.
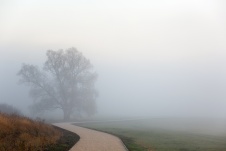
<point x="66" y="82"/>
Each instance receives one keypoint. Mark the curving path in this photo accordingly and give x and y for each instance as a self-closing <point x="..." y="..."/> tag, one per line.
<point x="91" y="140"/>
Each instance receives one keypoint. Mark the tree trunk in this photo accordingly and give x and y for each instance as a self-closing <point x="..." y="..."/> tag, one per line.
<point x="67" y="114"/>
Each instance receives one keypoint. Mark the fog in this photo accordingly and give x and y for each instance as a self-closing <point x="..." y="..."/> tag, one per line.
<point x="153" y="58"/>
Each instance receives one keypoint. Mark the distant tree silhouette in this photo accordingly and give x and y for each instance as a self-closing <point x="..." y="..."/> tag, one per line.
<point x="66" y="82"/>
<point x="9" y="109"/>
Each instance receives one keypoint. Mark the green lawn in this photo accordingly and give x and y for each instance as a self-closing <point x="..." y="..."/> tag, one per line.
<point x="142" y="135"/>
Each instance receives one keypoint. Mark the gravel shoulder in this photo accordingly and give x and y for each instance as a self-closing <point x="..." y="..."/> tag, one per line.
<point x="91" y="140"/>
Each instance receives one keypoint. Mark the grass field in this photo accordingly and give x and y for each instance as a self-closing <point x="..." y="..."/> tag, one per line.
<point x="162" y="135"/>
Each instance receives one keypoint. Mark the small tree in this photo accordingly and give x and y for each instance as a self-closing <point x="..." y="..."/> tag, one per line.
<point x="66" y="82"/>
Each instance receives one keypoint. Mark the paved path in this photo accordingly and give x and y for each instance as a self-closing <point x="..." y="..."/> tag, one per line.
<point x="91" y="140"/>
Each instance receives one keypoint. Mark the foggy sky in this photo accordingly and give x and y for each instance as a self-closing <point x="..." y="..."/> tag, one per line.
<point x="153" y="58"/>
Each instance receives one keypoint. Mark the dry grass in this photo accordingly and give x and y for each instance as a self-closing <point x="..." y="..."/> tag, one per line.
<point x="23" y="134"/>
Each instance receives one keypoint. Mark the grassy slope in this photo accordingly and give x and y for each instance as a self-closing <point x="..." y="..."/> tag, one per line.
<point x="19" y="133"/>
<point x="133" y="134"/>
<point x="66" y="141"/>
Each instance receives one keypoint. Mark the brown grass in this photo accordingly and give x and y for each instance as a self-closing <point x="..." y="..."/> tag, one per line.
<point x="23" y="134"/>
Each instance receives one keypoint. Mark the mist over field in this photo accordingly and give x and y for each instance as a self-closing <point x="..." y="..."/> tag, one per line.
<point x="155" y="59"/>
